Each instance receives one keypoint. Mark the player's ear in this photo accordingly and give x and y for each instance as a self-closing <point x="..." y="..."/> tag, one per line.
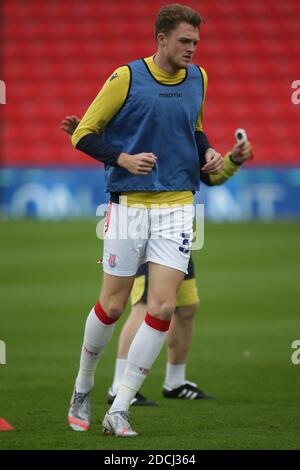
<point x="161" y="38"/>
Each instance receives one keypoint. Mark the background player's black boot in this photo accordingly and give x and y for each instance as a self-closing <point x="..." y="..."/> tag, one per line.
<point x="187" y="391"/>
<point x="138" y="400"/>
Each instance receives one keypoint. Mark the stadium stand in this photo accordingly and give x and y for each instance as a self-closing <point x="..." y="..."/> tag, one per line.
<point x="58" y="54"/>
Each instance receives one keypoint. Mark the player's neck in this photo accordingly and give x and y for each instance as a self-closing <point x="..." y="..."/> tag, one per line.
<point x="164" y="64"/>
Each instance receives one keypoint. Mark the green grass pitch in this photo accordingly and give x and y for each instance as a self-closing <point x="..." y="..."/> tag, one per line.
<point x="248" y="278"/>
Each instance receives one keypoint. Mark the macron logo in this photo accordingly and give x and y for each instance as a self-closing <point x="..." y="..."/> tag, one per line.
<point x="170" y="95"/>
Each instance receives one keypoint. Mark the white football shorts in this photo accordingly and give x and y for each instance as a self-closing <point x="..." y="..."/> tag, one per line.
<point x="134" y="235"/>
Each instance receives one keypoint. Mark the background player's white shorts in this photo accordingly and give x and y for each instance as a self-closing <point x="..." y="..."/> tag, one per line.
<point x="133" y="236"/>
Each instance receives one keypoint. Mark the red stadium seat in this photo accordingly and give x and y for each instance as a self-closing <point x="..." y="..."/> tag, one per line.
<point x="58" y="54"/>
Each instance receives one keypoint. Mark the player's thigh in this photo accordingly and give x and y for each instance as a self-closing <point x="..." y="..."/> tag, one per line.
<point x="164" y="283"/>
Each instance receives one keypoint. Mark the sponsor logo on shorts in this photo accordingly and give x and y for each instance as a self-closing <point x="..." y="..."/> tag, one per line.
<point x="112" y="261"/>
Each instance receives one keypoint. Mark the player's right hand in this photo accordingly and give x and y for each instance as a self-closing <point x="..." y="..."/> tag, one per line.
<point x="139" y="164"/>
<point x="214" y="162"/>
<point x="69" y="124"/>
<point x="241" y="152"/>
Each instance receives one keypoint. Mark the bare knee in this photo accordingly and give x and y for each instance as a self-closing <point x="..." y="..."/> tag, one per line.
<point x="114" y="294"/>
<point x="163" y="310"/>
<point x="186" y="313"/>
<point x="113" y="309"/>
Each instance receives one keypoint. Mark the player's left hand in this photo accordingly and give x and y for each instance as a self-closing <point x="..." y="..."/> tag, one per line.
<point x="241" y="152"/>
<point x="69" y="124"/>
<point x="214" y="163"/>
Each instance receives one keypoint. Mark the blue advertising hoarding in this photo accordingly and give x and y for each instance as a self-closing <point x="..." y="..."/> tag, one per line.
<point x="265" y="194"/>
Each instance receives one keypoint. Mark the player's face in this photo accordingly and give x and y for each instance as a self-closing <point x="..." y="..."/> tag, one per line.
<point x="180" y="45"/>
